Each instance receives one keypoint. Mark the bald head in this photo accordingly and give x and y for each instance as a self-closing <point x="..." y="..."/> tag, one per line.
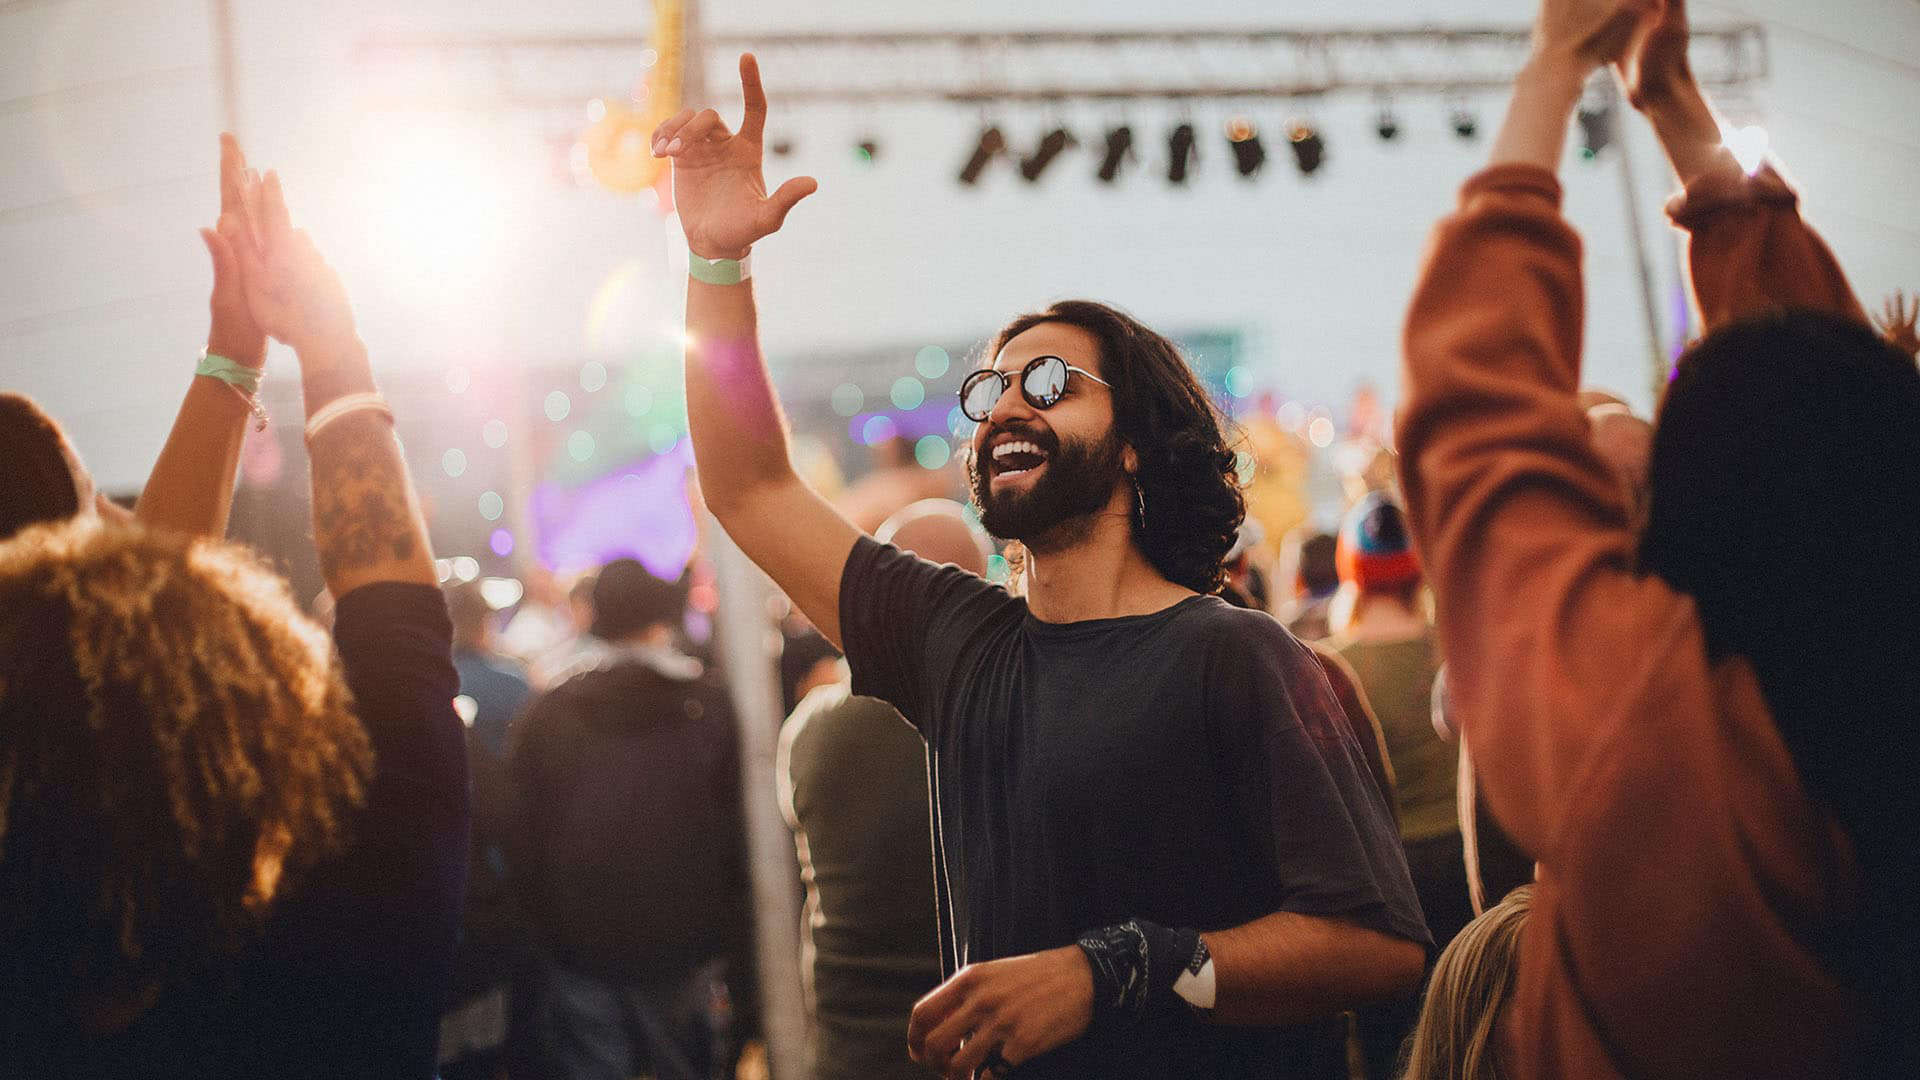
<point x="937" y="530"/>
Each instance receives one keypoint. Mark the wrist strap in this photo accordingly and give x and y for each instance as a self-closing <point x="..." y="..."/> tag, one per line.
<point x="364" y="401"/>
<point x="241" y="379"/>
<point x="237" y="375"/>
<point x="719" y="271"/>
<point x="1135" y="966"/>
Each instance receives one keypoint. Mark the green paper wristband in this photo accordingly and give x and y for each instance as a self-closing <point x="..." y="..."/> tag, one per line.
<point x="240" y="376"/>
<point x="718" y="271"/>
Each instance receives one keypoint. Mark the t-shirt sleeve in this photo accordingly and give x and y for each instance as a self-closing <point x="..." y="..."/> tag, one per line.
<point x="904" y="622"/>
<point x="1300" y="784"/>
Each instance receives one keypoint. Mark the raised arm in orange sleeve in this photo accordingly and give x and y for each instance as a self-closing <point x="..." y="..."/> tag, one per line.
<point x="1524" y="532"/>
<point x="1748" y="251"/>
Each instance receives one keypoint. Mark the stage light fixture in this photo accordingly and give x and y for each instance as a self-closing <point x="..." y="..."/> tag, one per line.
<point x="1309" y="150"/>
<point x="1051" y="146"/>
<point x="1596" y="129"/>
<point x="1248" y="153"/>
<point x="991" y="145"/>
<point x="1465" y="124"/>
<point x="1119" y="150"/>
<point x="1388" y="125"/>
<point x="1181" y="153"/>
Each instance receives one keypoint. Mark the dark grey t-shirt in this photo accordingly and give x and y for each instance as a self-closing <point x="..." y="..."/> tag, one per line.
<point x="1189" y="767"/>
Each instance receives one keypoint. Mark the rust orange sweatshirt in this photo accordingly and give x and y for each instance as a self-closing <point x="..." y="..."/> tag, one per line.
<point x="1683" y="869"/>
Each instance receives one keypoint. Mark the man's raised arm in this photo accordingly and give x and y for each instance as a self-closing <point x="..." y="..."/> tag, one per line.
<point x="739" y="434"/>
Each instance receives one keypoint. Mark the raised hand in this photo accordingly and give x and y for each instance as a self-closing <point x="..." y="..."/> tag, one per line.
<point x="718" y="188"/>
<point x="1897" y="322"/>
<point x="234" y="334"/>
<point x="1594" y="32"/>
<point x="1654" y="68"/>
<point x="291" y="291"/>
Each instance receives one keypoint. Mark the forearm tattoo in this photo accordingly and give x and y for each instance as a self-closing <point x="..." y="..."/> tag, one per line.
<point x="360" y="513"/>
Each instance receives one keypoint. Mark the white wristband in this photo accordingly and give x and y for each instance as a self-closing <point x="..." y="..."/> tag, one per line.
<point x="341" y="406"/>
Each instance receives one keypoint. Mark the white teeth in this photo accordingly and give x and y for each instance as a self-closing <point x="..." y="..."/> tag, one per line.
<point x="1006" y="448"/>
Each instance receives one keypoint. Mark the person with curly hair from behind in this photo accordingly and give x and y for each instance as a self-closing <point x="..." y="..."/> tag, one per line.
<point x="1159" y="851"/>
<point x="229" y="847"/>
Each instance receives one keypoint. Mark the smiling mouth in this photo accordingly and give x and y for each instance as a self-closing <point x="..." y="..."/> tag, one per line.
<point x="1016" y="457"/>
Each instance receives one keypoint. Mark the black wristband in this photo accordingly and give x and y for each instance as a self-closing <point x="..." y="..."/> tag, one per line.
<point x="1135" y="964"/>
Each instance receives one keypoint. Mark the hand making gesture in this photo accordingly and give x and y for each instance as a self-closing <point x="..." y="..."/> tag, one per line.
<point x="717" y="185"/>
<point x="234" y="334"/>
<point x="1897" y="321"/>
<point x="292" y="292"/>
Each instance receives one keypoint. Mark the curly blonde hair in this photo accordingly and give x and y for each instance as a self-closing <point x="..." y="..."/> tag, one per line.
<point x="177" y="747"/>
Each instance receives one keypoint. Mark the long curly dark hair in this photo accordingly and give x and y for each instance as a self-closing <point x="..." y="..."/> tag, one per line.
<point x="1188" y="479"/>
<point x="168" y="720"/>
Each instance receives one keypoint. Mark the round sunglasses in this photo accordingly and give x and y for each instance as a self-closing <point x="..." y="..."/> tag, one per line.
<point x="1043" y="382"/>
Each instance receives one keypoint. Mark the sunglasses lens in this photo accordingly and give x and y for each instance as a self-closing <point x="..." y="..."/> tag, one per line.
<point x="978" y="394"/>
<point x="1045" y="380"/>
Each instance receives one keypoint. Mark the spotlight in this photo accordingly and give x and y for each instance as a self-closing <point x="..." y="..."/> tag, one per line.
<point x="1596" y="129"/>
<point x="865" y="151"/>
<point x="1248" y="154"/>
<point x="1050" y="147"/>
<point x="992" y="144"/>
<point x="1309" y="151"/>
<point x="1464" y="124"/>
<point x="1119" y="149"/>
<point x="1388" y="125"/>
<point x="1181" y="153"/>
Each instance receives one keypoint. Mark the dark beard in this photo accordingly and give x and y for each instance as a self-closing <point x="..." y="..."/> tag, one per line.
<point x="1077" y="483"/>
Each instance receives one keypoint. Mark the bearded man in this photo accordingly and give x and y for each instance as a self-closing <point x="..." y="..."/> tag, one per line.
<point x="1158" y="849"/>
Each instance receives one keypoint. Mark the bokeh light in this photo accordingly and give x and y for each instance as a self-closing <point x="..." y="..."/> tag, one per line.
<point x="454" y="462"/>
<point x="492" y="505"/>
<point x="662" y="438"/>
<point x="848" y="400"/>
<point x="1320" y="432"/>
<point x="502" y="544"/>
<point x="638" y="400"/>
<point x="878" y="429"/>
<point x="558" y="405"/>
<point x="1239" y="381"/>
<point x="494" y="433"/>
<point x="932" y="362"/>
<point x="465" y="567"/>
<point x="957" y="423"/>
<point x="593" y="376"/>
<point x="908" y="392"/>
<point x="998" y="569"/>
<point x="580" y="446"/>
<point x="932" y="452"/>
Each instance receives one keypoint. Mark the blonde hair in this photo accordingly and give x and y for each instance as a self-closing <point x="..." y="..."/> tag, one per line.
<point x="1471" y="985"/>
<point x="177" y="745"/>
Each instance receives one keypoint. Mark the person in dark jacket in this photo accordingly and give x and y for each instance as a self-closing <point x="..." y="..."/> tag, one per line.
<point x="630" y="852"/>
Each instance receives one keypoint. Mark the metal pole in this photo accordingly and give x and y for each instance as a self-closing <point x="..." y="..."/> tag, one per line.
<point x="750" y="656"/>
<point x="1649" y="305"/>
<point x="224" y="65"/>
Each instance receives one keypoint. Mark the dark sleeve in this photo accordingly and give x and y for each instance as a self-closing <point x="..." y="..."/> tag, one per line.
<point x="902" y="621"/>
<point x="1301" y="785"/>
<point x="401" y="889"/>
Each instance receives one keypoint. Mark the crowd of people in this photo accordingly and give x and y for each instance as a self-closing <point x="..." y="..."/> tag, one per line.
<point x="1579" y="749"/>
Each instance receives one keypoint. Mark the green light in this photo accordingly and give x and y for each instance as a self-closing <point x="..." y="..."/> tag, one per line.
<point x="662" y="438"/>
<point x="932" y="362"/>
<point x="998" y="568"/>
<point x="932" y="452"/>
<point x="454" y="462"/>
<point x="1239" y="381"/>
<point x="1244" y="466"/>
<point x="639" y="400"/>
<point x="848" y="400"/>
<point x="558" y="405"/>
<point x="908" y="392"/>
<point x="580" y="446"/>
<point x="957" y="421"/>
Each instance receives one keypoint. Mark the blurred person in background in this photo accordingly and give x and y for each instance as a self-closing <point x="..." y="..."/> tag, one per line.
<point x="1173" y="858"/>
<point x="1316" y="579"/>
<point x="1458" y="1036"/>
<point x="227" y="849"/>
<point x="629" y="854"/>
<point x="1703" y="729"/>
<point x="496" y="683"/>
<point x="852" y="775"/>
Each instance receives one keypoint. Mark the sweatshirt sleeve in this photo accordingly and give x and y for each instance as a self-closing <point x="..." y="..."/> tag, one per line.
<point x="1523" y="529"/>
<point x="1748" y="251"/>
